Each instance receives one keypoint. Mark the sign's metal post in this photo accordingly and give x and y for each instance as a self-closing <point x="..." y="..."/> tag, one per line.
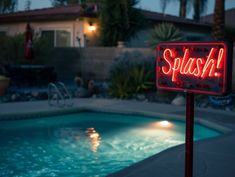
<point x="189" y="135"/>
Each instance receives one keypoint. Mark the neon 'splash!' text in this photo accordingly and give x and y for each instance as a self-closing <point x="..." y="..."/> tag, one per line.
<point x="187" y="64"/>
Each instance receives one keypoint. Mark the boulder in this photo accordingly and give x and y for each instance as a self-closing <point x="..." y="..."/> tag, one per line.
<point x="178" y="101"/>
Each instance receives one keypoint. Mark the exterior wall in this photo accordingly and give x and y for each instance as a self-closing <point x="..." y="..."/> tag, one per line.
<point x="91" y="62"/>
<point x="196" y="33"/>
<point x="82" y="36"/>
<point x="68" y="25"/>
<point x="12" y="29"/>
<point x="94" y="62"/>
<point x="79" y="29"/>
<point x="229" y="20"/>
<point x="191" y="34"/>
<point x="140" y="40"/>
<point x="92" y="37"/>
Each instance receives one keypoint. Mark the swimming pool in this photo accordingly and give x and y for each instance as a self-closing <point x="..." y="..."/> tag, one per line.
<point x="86" y="144"/>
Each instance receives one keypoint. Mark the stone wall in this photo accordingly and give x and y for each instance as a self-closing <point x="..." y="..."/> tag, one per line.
<point x="91" y="62"/>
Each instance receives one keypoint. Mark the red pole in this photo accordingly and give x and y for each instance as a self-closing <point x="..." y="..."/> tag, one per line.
<point x="189" y="135"/>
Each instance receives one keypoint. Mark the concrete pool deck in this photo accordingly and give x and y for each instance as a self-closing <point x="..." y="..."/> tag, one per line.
<point x="213" y="157"/>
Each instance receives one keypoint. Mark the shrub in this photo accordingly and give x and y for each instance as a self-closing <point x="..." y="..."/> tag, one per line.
<point x="42" y="49"/>
<point x="131" y="74"/>
<point x="164" y="32"/>
<point x="12" y="49"/>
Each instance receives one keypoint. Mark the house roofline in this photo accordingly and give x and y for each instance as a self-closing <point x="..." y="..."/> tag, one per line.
<point x="209" y="15"/>
<point x="70" y="12"/>
<point x="155" y="16"/>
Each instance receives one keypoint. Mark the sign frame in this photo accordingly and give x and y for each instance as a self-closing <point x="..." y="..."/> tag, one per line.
<point x="227" y="79"/>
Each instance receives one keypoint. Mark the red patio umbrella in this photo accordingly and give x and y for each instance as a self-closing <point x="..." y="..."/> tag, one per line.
<point x="28" y="47"/>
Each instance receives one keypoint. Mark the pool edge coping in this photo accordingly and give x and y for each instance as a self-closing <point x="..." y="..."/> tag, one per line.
<point x="168" y="116"/>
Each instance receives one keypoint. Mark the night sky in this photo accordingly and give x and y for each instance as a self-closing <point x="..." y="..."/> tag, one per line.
<point x="153" y="5"/>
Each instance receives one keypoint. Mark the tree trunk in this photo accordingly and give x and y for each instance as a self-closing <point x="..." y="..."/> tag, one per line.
<point x="197" y="9"/>
<point x="183" y="8"/>
<point x="219" y="20"/>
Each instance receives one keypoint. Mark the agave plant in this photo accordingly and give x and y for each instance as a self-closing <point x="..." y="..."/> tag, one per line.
<point x="165" y="32"/>
<point x="140" y="80"/>
<point x="132" y="74"/>
<point x="120" y="86"/>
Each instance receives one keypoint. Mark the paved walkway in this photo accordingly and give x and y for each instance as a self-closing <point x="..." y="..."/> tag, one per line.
<point x="213" y="157"/>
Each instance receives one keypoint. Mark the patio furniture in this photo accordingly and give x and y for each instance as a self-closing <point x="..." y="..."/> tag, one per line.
<point x="31" y="75"/>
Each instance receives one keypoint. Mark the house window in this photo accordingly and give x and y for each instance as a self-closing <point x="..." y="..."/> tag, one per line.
<point x="57" y="38"/>
<point x="49" y="36"/>
<point x="63" y="39"/>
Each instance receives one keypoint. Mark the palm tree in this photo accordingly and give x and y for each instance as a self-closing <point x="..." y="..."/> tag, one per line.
<point x="199" y="6"/>
<point x="7" y="5"/>
<point x="120" y="20"/>
<point x="219" y="19"/>
<point x="163" y="4"/>
<point x="69" y="2"/>
<point x="27" y="5"/>
<point x="183" y="7"/>
<point x="63" y="2"/>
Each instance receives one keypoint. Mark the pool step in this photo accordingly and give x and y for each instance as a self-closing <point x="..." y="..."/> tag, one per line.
<point x="58" y="95"/>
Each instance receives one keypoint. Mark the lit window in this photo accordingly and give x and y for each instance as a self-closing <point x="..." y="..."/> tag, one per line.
<point x="57" y="38"/>
<point x="63" y="39"/>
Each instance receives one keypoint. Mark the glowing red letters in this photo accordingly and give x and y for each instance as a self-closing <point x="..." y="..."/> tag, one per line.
<point x="200" y="67"/>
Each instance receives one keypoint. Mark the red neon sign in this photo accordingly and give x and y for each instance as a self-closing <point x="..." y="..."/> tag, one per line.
<point x="194" y="67"/>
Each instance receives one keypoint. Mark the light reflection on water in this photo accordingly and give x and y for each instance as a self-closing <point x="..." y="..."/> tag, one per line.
<point x="94" y="138"/>
<point x="73" y="137"/>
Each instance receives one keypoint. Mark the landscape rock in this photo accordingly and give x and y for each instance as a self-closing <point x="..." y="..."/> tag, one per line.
<point x="82" y="93"/>
<point x="178" y="101"/>
<point x="140" y="97"/>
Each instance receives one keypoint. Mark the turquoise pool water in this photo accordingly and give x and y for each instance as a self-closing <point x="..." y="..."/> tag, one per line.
<point x="85" y="144"/>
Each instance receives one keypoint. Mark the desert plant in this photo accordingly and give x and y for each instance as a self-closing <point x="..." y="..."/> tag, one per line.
<point x="140" y="79"/>
<point x="41" y="48"/>
<point x="165" y="32"/>
<point x="131" y="74"/>
<point x="4" y="81"/>
<point x="7" y="6"/>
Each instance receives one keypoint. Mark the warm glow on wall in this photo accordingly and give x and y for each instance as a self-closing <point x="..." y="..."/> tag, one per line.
<point x="91" y="27"/>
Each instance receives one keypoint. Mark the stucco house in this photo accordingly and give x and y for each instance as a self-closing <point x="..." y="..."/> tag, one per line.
<point x="229" y="18"/>
<point x="191" y="29"/>
<point x="67" y="26"/>
<point x="78" y="25"/>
